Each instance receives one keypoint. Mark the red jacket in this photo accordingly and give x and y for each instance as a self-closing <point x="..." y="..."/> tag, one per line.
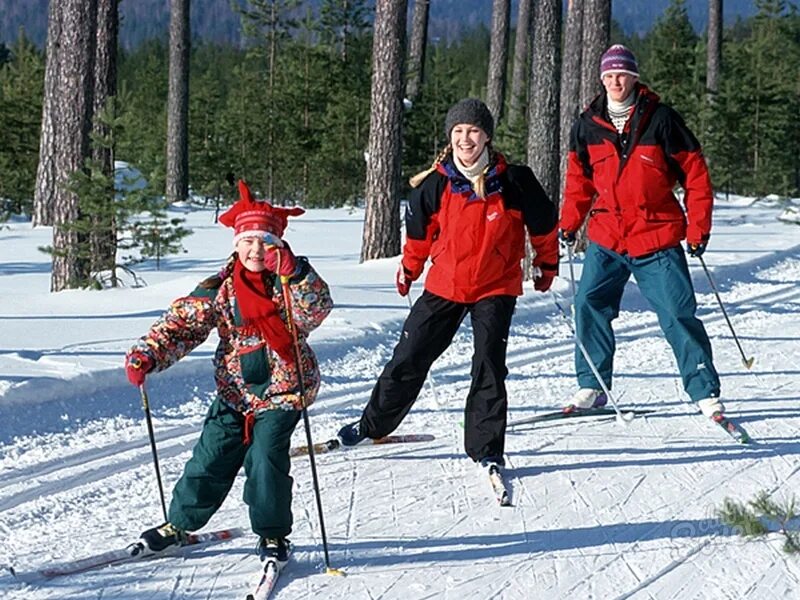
<point x="625" y="182"/>
<point x="476" y="244"/>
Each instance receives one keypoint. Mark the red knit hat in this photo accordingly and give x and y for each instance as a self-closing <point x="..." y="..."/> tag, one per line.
<point x="252" y="217"/>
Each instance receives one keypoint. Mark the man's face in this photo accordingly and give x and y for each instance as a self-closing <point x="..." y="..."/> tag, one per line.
<point x="619" y="85"/>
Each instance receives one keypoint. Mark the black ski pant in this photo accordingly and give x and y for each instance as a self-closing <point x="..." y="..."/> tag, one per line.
<point x="427" y="332"/>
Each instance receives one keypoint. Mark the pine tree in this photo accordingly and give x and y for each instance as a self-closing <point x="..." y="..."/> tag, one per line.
<point x="103" y="237"/>
<point x="775" y="101"/>
<point x="498" y="57"/>
<point x="543" y="114"/>
<point x="671" y="68"/>
<point x="21" y="84"/>
<point x="143" y="81"/>
<point x="569" y="100"/>
<point x="521" y="68"/>
<point x="381" y="235"/>
<point x="760" y="516"/>
<point x="418" y="45"/>
<point x="5" y="54"/>
<point x="270" y="22"/>
<point x="156" y="234"/>
<point x="211" y="145"/>
<point x="72" y="106"/>
<point x="596" y="27"/>
<point x="342" y="127"/>
<point x="754" y="144"/>
<point x="134" y="216"/>
<point x="177" y="184"/>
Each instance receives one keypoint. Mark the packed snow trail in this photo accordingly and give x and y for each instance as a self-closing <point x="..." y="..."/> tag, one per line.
<point x="598" y="510"/>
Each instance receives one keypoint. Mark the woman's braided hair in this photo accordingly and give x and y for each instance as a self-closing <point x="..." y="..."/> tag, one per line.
<point x="420" y="177"/>
<point x="480" y="183"/>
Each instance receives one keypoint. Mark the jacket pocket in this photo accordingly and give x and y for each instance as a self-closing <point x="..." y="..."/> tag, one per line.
<point x="671" y="215"/>
<point x="651" y="157"/>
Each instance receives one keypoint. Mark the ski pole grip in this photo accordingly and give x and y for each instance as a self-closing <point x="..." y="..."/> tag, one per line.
<point x="136" y="362"/>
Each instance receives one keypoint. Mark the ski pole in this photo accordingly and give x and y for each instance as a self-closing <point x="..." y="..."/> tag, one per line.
<point x="622" y="418"/>
<point x="431" y="382"/>
<point x="287" y="300"/>
<point x="748" y="362"/>
<point x="148" y="419"/>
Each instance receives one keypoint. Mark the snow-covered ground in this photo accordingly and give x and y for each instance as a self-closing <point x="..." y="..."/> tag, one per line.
<point x="599" y="510"/>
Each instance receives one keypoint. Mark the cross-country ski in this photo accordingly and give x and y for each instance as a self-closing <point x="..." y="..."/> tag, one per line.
<point x="335" y="444"/>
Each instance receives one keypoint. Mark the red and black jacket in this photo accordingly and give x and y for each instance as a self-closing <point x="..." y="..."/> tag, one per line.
<point x="476" y="244"/>
<point x="625" y="181"/>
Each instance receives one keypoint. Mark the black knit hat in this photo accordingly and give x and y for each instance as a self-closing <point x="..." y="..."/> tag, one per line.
<point x="471" y="111"/>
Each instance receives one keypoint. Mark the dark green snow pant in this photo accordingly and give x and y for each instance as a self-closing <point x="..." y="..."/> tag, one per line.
<point x="216" y="459"/>
<point x="663" y="279"/>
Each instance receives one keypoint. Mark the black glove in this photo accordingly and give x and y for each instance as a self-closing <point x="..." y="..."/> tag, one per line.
<point x="567" y="237"/>
<point x="696" y="250"/>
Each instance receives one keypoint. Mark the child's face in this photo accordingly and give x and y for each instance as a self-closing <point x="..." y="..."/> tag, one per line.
<point x="251" y="251"/>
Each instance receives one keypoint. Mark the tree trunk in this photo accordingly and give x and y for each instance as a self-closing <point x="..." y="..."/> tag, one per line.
<point x="714" y="46"/>
<point x="177" y="182"/>
<point x="596" y="31"/>
<point x="521" y="63"/>
<point x="417" y="46"/>
<point x="104" y="235"/>
<point x="46" y="169"/>
<point x="498" y="57"/>
<point x="382" y="219"/>
<point x="72" y="124"/>
<point x="272" y="64"/>
<point x="543" y="114"/>
<point x="569" y="105"/>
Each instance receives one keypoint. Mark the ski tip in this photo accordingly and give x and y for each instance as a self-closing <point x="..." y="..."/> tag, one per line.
<point x="335" y="572"/>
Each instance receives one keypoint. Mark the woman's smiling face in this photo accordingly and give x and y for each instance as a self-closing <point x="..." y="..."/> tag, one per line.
<point x="468" y="142"/>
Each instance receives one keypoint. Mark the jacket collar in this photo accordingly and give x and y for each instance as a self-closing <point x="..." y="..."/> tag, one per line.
<point x="460" y="184"/>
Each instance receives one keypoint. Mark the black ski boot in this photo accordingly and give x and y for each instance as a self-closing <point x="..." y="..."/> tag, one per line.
<point x="162" y="537"/>
<point x="277" y="549"/>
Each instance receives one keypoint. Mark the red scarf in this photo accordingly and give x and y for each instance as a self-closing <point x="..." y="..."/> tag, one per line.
<point x="259" y="313"/>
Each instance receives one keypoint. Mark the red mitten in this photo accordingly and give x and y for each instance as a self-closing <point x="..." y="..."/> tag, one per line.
<point x="403" y="280"/>
<point x="137" y="365"/>
<point x="544" y="280"/>
<point x="280" y="260"/>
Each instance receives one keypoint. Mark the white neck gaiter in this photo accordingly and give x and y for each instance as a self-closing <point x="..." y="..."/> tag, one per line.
<point x="473" y="171"/>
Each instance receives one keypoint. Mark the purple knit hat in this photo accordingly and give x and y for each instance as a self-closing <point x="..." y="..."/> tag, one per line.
<point x="618" y="59"/>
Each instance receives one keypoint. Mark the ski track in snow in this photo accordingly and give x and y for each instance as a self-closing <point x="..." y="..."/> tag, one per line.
<point x="599" y="510"/>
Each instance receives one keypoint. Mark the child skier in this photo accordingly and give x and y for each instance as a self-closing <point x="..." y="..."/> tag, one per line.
<point x="257" y="406"/>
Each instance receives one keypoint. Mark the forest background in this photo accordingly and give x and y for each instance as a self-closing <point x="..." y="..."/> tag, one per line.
<point x="310" y="113"/>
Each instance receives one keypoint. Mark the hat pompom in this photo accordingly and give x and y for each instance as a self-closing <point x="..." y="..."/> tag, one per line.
<point x="249" y="216"/>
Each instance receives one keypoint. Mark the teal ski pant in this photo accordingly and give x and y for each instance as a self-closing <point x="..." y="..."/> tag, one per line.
<point x="663" y="279"/>
<point x="216" y="459"/>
